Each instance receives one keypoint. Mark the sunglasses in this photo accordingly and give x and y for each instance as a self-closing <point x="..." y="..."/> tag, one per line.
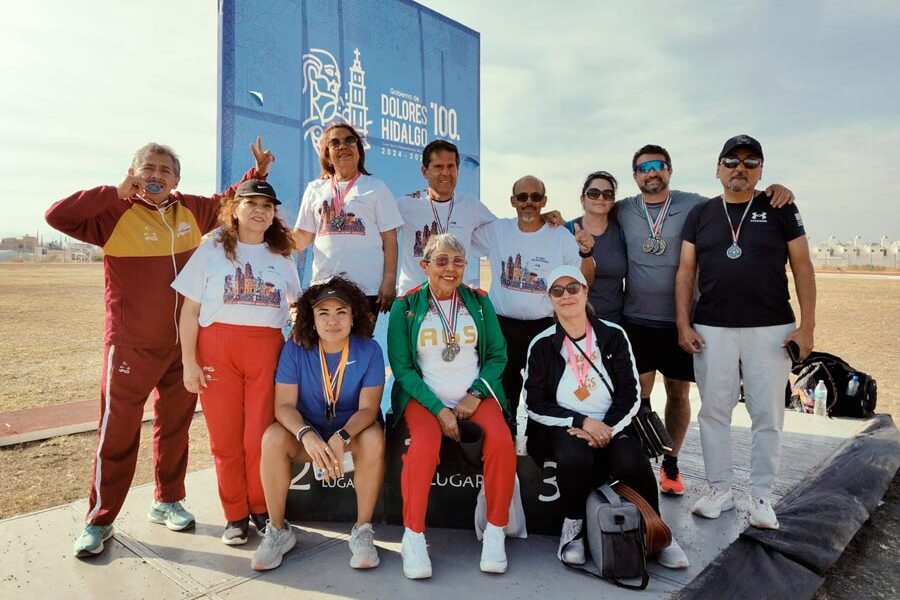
<point x="336" y="143"/>
<point x="732" y="163"/>
<point x="443" y="261"/>
<point x="650" y="165"/>
<point x="595" y="194"/>
<point x="573" y="288"/>
<point x="523" y="197"/>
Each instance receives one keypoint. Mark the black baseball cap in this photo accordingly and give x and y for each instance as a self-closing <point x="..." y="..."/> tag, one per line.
<point x="741" y="141"/>
<point x="331" y="293"/>
<point x="257" y="187"/>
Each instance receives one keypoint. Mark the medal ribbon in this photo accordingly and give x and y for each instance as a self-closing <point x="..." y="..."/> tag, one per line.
<point x="331" y="383"/>
<point x="657" y="225"/>
<point x="580" y="372"/>
<point x="437" y="219"/>
<point x="735" y="234"/>
<point x="336" y="196"/>
<point x="449" y="325"/>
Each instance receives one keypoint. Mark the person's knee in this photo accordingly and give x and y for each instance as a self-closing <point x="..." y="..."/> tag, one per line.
<point x="276" y="440"/>
<point x="369" y="443"/>
<point x="573" y="457"/>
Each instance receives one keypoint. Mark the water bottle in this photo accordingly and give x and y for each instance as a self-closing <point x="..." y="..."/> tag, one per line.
<point x="820" y="395"/>
<point x="853" y="386"/>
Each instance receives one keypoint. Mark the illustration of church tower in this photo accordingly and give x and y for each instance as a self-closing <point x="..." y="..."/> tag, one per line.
<point x="356" y="112"/>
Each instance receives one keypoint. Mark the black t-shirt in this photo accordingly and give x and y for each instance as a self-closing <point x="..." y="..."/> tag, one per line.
<point x="750" y="291"/>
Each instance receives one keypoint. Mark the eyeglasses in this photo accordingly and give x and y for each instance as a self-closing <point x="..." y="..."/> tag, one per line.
<point x="732" y="163"/>
<point x="443" y="261"/>
<point x="595" y="194"/>
<point x="651" y="165"/>
<point x="523" y="197"/>
<point x="573" y="288"/>
<point x="336" y="143"/>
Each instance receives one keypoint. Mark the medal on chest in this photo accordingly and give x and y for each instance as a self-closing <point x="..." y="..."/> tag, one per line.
<point x="655" y="244"/>
<point x="448" y="323"/>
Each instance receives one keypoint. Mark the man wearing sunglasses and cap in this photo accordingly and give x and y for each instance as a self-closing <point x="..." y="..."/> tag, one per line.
<point x="651" y="225"/>
<point x="737" y="246"/>
<point x="522" y="251"/>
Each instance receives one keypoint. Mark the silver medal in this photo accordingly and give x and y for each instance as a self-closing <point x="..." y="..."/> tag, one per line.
<point x="648" y="245"/>
<point x="660" y="246"/>
<point x="448" y="354"/>
<point x="734" y="251"/>
<point x="455" y="347"/>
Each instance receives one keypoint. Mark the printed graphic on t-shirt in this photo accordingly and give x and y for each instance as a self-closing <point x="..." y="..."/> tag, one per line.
<point x="524" y="276"/>
<point x="591" y="381"/>
<point x="422" y="236"/>
<point x="434" y="336"/>
<point x="339" y="223"/>
<point x="244" y="288"/>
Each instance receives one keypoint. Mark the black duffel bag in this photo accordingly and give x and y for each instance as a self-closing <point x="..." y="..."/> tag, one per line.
<point x="837" y="374"/>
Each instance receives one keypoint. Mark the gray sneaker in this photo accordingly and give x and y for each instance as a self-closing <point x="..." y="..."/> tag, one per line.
<point x="362" y="545"/>
<point x="235" y="533"/>
<point x="171" y="514"/>
<point x="90" y="542"/>
<point x="274" y="545"/>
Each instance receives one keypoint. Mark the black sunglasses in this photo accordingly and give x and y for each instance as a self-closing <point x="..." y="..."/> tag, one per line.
<point x="524" y="197"/>
<point x="336" y="143"/>
<point x="595" y="194"/>
<point x="573" y="288"/>
<point x="732" y="163"/>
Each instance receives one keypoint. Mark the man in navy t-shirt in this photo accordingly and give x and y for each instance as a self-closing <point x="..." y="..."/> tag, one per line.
<point x="737" y="246"/>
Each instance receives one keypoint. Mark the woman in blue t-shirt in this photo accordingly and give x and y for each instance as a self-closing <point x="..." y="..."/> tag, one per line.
<point x="598" y="196"/>
<point x="327" y="404"/>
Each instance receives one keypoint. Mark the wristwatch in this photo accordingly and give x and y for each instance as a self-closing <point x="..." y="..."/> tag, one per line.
<point x="474" y="391"/>
<point x="342" y="433"/>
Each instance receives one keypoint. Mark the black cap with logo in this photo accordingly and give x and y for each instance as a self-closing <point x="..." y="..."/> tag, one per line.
<point x="257" y="187"/>
<point x="741" y="141"/>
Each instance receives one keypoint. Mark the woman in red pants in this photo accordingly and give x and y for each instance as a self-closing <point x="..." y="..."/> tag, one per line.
<point x="237" y="290"/>
<point x="447" y="355"/>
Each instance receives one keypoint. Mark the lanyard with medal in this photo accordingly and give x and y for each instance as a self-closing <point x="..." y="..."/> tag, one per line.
<point x="579" y="365"/>
<point x="655" y="244"/>
<point x="449" y="324"/>
<point x="734" y="251"/>
<point x="337" y="200"/>
<point x="332" y="382"/>
<point x="441" y="228"/>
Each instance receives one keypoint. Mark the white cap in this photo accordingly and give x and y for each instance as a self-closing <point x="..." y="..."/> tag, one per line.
<point x="566" y="271"/>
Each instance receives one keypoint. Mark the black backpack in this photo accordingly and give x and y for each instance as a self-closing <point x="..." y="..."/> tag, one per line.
<point x="836" y="374"/>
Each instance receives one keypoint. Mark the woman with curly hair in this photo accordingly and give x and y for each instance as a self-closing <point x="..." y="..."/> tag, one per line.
<point x="327" y="396"/>
<point x="238" y="287"/>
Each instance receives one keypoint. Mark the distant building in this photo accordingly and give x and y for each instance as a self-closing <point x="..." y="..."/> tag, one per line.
<point x="856" y="255"/>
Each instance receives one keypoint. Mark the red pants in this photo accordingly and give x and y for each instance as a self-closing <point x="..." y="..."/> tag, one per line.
<point x="422" y="458"/>
<point x="129" y="376"/>
<point x="239" y="362"/>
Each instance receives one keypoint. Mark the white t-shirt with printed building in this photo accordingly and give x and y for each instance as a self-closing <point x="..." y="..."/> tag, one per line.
<point x="521" y="263"/>
<point x="419" y="224"/>
<point x="256" y="288"/>
<point x="448" y="380"/>
<point x="354" y="250"/>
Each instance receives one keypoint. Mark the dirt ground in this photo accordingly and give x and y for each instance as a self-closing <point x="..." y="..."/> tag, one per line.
<point x="50" y="342"/>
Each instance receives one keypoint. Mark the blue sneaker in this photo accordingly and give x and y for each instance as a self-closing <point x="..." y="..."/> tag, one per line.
<point x="90" y="542"/>
<point x="171" y="514"/>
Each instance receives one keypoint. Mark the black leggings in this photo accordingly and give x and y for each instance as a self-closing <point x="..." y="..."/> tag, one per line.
<point x="580" y="468"/>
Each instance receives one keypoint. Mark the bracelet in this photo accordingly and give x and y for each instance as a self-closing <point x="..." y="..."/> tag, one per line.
<point x="585" y="254"/>
<point x="303" y="431"/>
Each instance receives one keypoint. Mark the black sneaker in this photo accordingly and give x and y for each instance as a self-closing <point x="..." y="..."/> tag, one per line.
<point x="235" y="532"/>
<point x="259" y="521"/>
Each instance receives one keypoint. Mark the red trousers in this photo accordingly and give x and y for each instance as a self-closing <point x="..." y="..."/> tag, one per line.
<point x="422" y="458"/>
<point x="129" y="377"/>
<point x="239" y="362"/>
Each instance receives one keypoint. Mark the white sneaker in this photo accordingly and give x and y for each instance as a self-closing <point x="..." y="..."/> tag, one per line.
<point x="762" y="515"/>
<point x="673" y="557"/>
<point x="414" y="551"/>
<point x="362" y="545"/>
<point x="274" y="545"/>
<point x="714" y="503"/>
<point x="493" y="550"/>
<point x="571" y="545"/>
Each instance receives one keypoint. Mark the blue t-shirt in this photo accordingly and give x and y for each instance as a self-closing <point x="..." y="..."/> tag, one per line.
<point x="301" y="367"/>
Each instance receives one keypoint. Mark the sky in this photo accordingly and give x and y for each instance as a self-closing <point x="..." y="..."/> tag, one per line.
<point x="567" y="88"/>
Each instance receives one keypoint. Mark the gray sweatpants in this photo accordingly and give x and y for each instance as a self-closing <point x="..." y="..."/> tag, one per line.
<point x="757" y="354"/>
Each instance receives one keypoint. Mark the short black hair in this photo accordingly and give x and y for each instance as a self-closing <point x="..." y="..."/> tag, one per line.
<point x="651" y="149"/>
<point x="599" y="175"/>
<point x="438" y="146"/>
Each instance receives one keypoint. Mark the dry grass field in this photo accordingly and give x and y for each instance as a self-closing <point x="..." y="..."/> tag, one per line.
<point x="51" y="335"/>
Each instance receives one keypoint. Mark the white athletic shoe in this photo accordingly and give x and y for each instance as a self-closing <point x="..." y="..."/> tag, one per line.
<point x="714" y="503"/>
<point x="673" y="557"/>
<point x="414" y="551"/>
<point x="362" y="545"/>
<point x="762" y="515"/>
<point x="274" y="545"/>
<point x="493" y="550"/>
<point x="571" y="544"/>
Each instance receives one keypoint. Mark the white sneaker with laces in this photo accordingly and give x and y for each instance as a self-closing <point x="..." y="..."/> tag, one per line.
<point x="274" y="545"/>
<point x="493" y="550"/>
<point x="571" y="545"/>
<point x="673" y="557"/>
<point x="763" y="515"/>
<point x="714" y="503"/>
<point x="362" y="545"/>
<point x="414" y="551"/>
